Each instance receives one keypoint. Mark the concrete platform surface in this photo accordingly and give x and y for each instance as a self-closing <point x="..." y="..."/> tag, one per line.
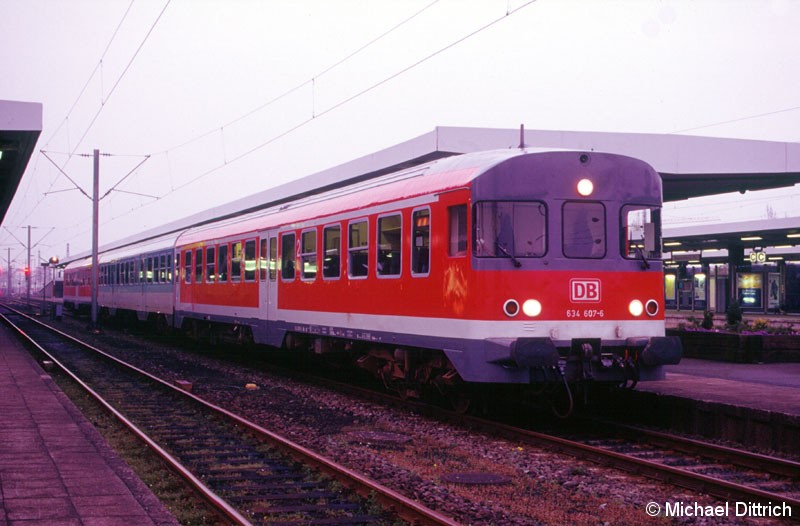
<point x="55" y="468"/>
<point x="771" y="387"/>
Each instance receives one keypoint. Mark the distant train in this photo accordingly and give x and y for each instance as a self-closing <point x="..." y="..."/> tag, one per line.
<point x="517" y="266"/>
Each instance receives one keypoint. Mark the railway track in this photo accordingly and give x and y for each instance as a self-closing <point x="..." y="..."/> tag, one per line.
<point x="729" y="474"/>
<point x="249" y="474"/>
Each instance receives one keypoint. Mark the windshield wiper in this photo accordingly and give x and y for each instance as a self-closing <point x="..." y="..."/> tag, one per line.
<point x="508" y="254"/>
<point x="640" y="254"/>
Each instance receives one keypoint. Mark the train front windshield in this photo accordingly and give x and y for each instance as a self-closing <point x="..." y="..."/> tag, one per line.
<point x="518" y="229"/>
<point x="641" y="232"/>
<point x="506" y="229"/>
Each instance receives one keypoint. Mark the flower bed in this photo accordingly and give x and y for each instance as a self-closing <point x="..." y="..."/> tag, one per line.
<point x="736" y="347"/>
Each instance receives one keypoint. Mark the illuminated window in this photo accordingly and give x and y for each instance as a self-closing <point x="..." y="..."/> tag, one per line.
<point x="262" y="260"/>
<point x="250" y="260"/>
<point x="210" y="264"/>
<point x="421" y="243"/>
<point x="308" y="254"/>
<point x="273" y="258"/>
<point x="236" y="262"/>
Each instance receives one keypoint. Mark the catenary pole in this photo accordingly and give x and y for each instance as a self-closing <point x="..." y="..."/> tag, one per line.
<point x="28" y="273"/>
<point x="95" y="223"/>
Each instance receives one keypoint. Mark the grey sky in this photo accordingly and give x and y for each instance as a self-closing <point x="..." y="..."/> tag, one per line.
<point x="189" y="84"/>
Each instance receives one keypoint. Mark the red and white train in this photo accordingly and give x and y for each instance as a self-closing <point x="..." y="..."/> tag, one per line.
<point x="514" y="266"/>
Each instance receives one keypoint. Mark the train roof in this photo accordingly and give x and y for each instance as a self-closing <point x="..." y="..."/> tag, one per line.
<point x="151" y="245"/>
<point x="441" y="175"/>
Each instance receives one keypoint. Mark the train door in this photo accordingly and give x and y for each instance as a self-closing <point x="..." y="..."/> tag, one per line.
<point x="269" y="272"/>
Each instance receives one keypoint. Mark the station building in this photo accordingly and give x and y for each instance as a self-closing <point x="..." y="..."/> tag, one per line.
<point x="756" y="263"/>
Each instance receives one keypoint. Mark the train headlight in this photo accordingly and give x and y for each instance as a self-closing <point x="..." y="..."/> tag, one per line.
<point x="636" y="308"/>
<point x="532" y="308"/>
<point x="585" y="187"/>
<point x="511" y="308"/>
<point x="651" y="307"/>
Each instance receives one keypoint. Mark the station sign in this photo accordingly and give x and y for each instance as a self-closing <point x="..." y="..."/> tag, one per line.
<point x="758" y="257"/>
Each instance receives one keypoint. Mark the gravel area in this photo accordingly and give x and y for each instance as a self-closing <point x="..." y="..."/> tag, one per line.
<point x="414" y="454"/>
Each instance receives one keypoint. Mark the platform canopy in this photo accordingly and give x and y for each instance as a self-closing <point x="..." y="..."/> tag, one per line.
<point x="780" y="233"/>
<point x="20" y="127"/>
<point x="689" y="166"/>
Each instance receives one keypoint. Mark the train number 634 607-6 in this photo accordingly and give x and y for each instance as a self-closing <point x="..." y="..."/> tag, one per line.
<point x="585" y="313"/>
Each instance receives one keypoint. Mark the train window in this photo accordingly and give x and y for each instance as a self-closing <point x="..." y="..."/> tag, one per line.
<point x="421" y="243"/>
<point x="390" y="237"/>
<point x="332" y="262"/>
<point x="164" y="269"/>
<point x="149" y="271"/>
<point x="288" y="256"/>
<point x="222" y="263"/>
<point x="250" y="260"/>
<point x="457" y="216"/>
<point x="177" y="266"/>
<point x="262" y="260"/>
<point x="211" y="262"/>
<point x="584" y="230"/>
<point x="308" y="254"/>
<point x="510" y="229"/>
<point x="198" y="265"/>
<point x="168" y="260"/>
<point x="236" y="262"/>
<point x="641" y="232"/>
<point x="273" y="258"/>
<point x="188" y="268"/>
<point x="358" y="249"/>
<point x="156" y="270"/>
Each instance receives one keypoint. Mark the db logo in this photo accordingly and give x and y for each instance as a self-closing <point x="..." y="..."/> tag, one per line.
<point x="584" y="290"/>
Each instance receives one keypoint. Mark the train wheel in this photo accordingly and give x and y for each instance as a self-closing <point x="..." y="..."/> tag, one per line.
<point x="460" y="402"/>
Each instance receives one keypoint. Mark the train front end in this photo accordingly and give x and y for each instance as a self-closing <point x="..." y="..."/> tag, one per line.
<point x="568" y="278"/>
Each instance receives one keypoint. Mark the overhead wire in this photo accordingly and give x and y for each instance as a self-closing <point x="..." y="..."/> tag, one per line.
<point x="260" y="107"/>
<point x="65" y="120"/>
<point x="347" y="100"/>
<point x="292" y="129"/>
<point x="103" y="100"/>
<point x="740" y="119"/>
<point x="303" y="84"/>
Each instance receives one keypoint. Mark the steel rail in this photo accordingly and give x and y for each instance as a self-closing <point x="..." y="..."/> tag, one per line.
<point x="703" y="483"/>
<point x="676" y="476"/>
<point x="215" y="500"/>
<point x="402" y="506"/>
<point x="738" y="457"/>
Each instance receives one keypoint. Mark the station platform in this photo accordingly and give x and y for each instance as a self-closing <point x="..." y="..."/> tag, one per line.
<point x="772" y="387"/>
<point x="55" y="468"/>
